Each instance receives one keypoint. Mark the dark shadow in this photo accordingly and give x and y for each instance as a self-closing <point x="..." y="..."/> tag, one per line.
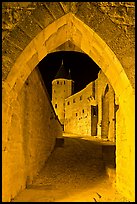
<point x="108" y="149"/>
<point x="109" y="156"/>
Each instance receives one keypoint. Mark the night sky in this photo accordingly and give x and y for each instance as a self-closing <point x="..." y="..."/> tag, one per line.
<point x="82" y="68"/>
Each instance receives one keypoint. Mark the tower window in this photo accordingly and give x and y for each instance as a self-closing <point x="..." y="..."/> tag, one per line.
<point x="68" y="103"/>
<point x="74" y="101"/>
<point x="76" y="114"/>
<point x="83" y="111"/>
<point x="55" y="105"/>
<point x="80" y="97"/>
<point x="64" y="82"/>
<point x="57" y="82"/>
<point x="94" y="110"/>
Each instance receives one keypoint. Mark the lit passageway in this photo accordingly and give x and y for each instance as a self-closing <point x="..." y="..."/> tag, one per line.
<point x="76" y="171"/>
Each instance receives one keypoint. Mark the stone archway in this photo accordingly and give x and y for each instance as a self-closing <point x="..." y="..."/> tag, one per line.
<point x="71" y="28"/>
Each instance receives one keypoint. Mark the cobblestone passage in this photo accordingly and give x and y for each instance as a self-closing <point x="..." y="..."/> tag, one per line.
<point x="75" y="171"/>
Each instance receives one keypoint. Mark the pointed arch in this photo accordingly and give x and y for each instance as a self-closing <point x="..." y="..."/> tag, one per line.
<point x="69" y="27"/>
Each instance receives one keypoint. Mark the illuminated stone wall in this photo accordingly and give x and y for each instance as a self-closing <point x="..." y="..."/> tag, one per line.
<point x="124" y="159"/>
<point x="78" y="115"/>
<point x="101" y="84"/>
<point x="78" y="111"/>
<point x="31" y="136"/>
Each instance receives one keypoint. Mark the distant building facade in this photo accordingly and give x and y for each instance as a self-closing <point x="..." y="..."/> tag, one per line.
<point x="91" y="111"/>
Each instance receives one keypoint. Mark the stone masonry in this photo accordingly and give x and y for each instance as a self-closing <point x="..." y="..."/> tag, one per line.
<point x="103" y="30"/>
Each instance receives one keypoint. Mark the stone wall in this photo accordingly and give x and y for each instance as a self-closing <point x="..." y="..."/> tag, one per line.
<point x="124" y="157"/>
<point x="31" y="137"/>
<point x="101" y="84"/>
<point x="78" y="111"/>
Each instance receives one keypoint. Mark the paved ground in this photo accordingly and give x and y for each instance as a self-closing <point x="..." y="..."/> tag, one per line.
<point x="73" y="172"/>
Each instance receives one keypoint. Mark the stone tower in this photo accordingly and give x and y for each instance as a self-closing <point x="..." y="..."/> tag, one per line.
<point x="62" y="87"/>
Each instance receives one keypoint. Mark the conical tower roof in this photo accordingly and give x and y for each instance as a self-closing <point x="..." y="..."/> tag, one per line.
<point x="62" y="73"/>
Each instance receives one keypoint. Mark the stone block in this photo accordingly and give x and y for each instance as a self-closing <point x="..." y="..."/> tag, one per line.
<point x="17" y="76"/>
<point x="121" y="83"/>
<point x="40" y="48"/>
<point x="66" y="6"/>
<point x="10" y="51"/>
<point x="68" y="46"/>
<point x="107" y="30"/>
<point x="89" y="14"/>
<point x="6" y="67"/>
<point x="120" y="44"/>
<point x="32" y="63"/>
<point x="43" y="16"/>
<point x="19" y="38"/>
<point x="55" y="9"/>
<point x="109" y="72"/>
<point x="30" y="27"/>
<point x="127" y="60"/>
<point x="56" y="39"/>
<point x="77" y="37"/>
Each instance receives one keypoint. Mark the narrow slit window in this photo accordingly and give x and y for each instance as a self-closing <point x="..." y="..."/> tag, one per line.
<point x="80" y="98"/>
